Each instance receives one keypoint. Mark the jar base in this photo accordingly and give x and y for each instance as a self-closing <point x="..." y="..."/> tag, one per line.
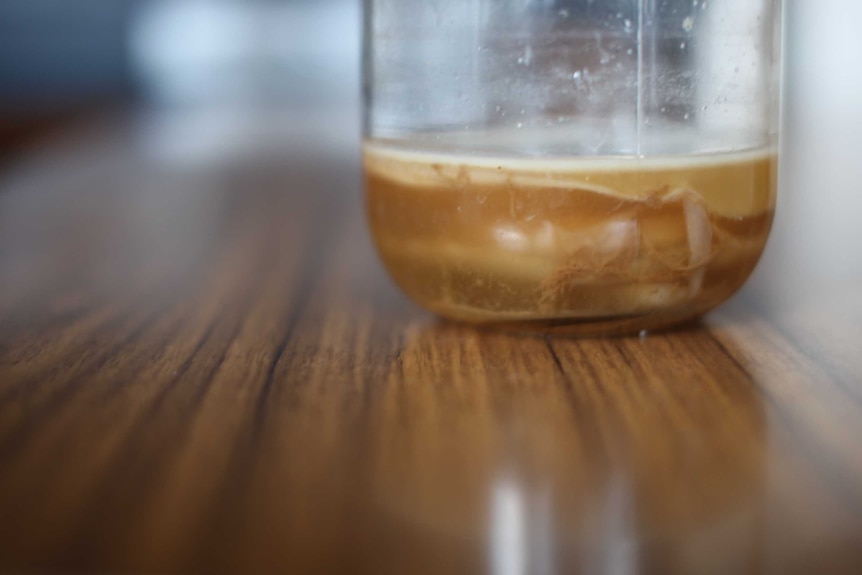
<point x="616" y="326"/>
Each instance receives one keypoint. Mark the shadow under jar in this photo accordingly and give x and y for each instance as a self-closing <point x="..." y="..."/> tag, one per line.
<point x="595" y="167"/>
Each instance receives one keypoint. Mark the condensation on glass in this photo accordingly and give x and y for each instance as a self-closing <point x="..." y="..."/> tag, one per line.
<point x="597" y="165"/>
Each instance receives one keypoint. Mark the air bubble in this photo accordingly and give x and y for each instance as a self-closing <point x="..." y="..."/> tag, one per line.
<point x="688" y="24"/>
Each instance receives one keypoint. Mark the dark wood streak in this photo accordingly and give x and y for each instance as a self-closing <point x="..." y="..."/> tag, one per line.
<point x="246" y="450"/>
<point x="729" y="356"/>
<point x="307" y="274"/>
<point x="555" y="357"/>
<point x="230" y="384"/>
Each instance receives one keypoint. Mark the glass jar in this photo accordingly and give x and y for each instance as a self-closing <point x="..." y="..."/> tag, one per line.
<point x="591" y="165"/>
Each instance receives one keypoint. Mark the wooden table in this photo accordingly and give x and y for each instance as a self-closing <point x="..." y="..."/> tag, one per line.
<point x="203" y="369"/>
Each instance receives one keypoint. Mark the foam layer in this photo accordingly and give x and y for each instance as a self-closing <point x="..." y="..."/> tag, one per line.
<point x="730" y="184"/>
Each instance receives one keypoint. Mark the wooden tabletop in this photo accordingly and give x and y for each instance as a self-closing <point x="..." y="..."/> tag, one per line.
<point x="204" y="369"/>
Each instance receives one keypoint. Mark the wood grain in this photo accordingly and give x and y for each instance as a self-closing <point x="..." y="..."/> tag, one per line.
<point x="204" y="370"/>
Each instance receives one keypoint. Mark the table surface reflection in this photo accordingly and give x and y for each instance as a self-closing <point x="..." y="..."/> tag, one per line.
<point x="203" y="368"/>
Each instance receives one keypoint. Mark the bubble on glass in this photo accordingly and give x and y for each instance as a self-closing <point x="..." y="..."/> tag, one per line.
<point x="563" y="13"/>
<point x="688" y="24"/>
<point x="581" y="78"/>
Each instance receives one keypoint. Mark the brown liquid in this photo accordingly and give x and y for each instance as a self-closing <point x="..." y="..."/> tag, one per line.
<point x="658" y="240"/>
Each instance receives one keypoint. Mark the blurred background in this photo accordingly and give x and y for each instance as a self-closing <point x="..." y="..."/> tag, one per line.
<point x="226" y="74"/>
<point x="209" y="80"/>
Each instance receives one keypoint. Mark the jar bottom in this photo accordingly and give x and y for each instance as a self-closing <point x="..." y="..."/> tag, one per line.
<point x="580" y="245"/>
<point x="612" y="326"/>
